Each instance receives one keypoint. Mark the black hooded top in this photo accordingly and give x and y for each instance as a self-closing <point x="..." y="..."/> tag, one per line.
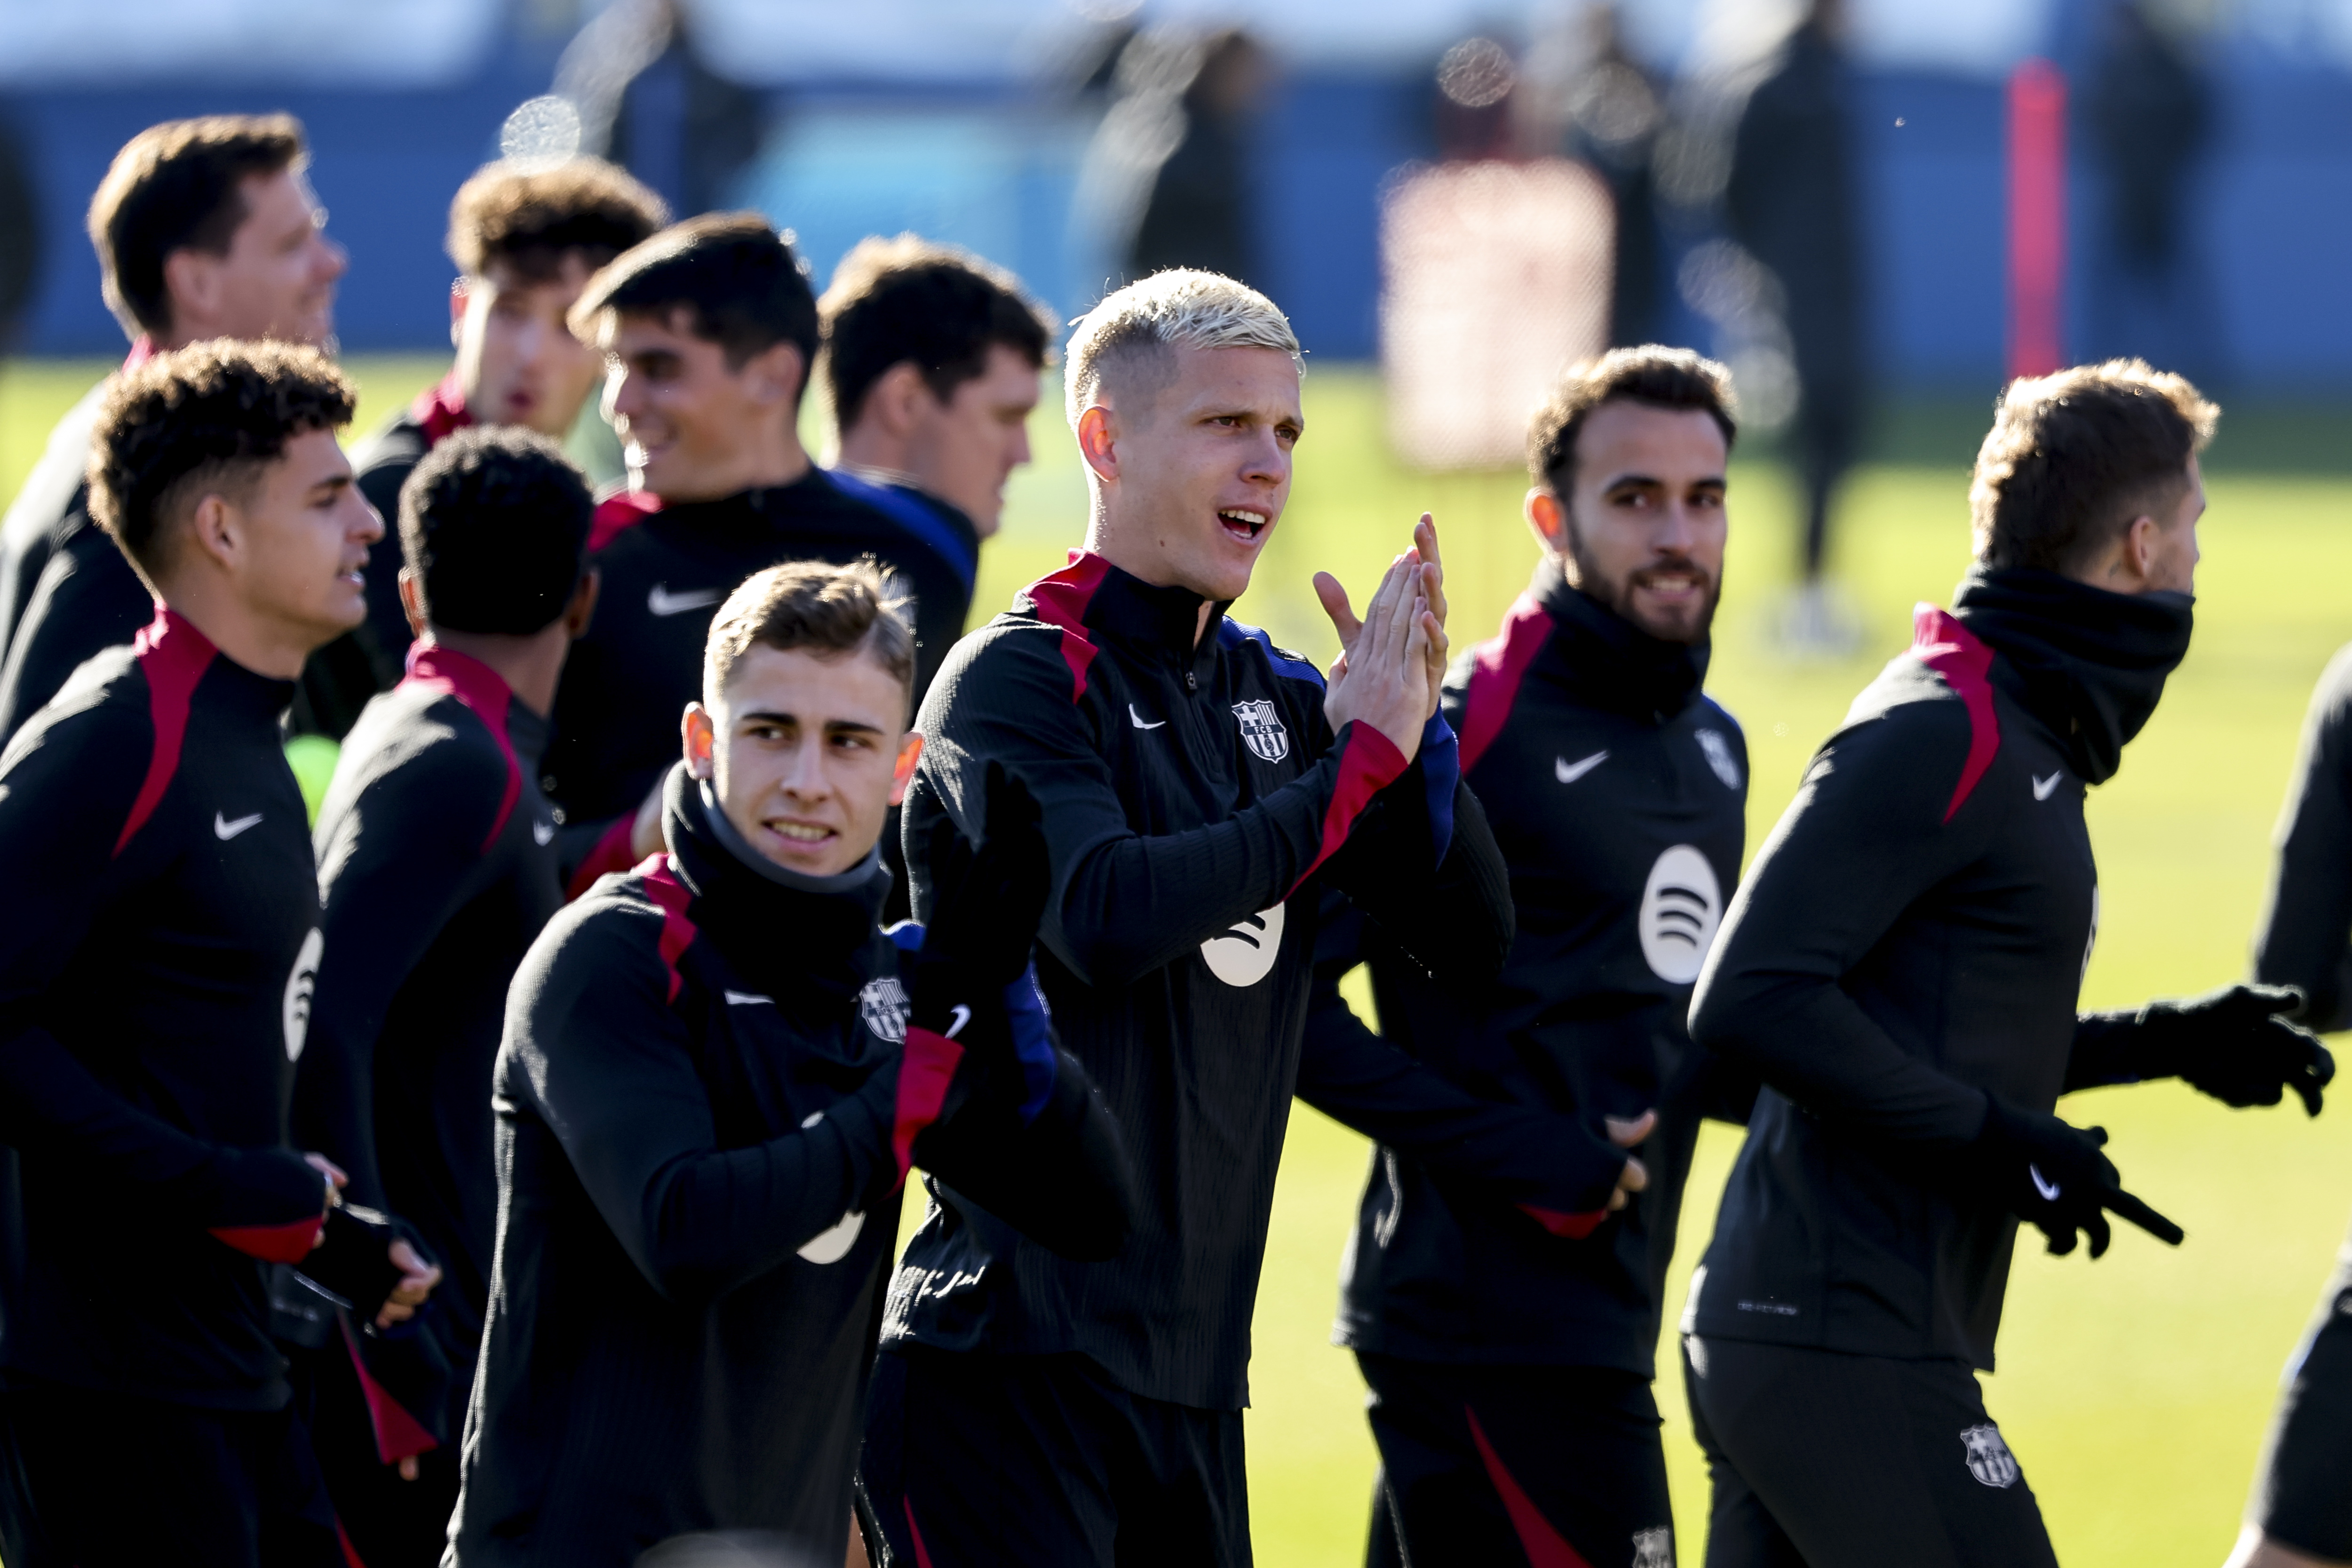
<point x="702" y="1126"/>
<point x="1618" y="796"/>
<point x="1911" y="939"/>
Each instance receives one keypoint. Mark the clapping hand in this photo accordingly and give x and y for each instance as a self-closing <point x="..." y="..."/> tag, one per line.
<point x="1391" y="664"/>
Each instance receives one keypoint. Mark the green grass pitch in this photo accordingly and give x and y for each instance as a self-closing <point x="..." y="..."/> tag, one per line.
<point x="2134" y="1389"/>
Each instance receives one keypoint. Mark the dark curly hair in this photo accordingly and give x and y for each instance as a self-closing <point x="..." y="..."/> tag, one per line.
<point x="895" y="301"/>
<point x="531" y="218"/>
<point x="178" y="186"/>
<point x="1652" y="375"/>
<point x="494" y="525"/>
<point x="205" y="418"/>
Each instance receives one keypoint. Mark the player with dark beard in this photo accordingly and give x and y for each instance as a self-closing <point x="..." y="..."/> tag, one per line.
<point x="525" y="241"/>
<point x="710" y="332"/>
<point x="2300" y="1515"/>
<point x="716" y="1068"/>
<point x="1901" y="969"/>
<point x="204" y="228"/>
<point x="437" y="870"/>
<point x="1510" y="1362"/>
<point x="152" y="1016"/>
<point x="1200" y="787"/>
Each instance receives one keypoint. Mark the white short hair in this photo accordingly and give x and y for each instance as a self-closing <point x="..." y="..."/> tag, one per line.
<point x="1181" y="308"/>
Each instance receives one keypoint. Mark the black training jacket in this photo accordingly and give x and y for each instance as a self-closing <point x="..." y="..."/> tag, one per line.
<point x="1911" y="938"/>
<point x="437" y="871"/>
<point x="1191" y="794"/>
<point x="1617" y="793"/>
<point x="702" y="1126"/>
<point x="2305" y="938"/>
<point x="626" y="683"/>
<point x="342" y="678"/>
<point x="155" y="997"/>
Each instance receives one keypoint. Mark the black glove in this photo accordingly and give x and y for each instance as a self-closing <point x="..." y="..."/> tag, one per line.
<point x="355" y="1259"/>
<point x="2233" y="1045"/>
<point x="985" y="906"/>
<point x="2048" y="1173"/>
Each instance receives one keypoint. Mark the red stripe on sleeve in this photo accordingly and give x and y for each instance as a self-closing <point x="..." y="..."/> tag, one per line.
<point x="1497" y="667"/>
<point x="678" y="932"/>
<point x="173" y="654"/>
<point x="922" y="1552"/>
<point x="611" y="854"/>
<point x="1573" y="1227"/>
<point x="1370" y="764"/>
<point x="398" y="1435"/>
<point x="1954" y="652"/>
<point x="1545" y="1546"/>
<point x="288" y="1243"/>
<point x="924" y="1073"/>
<point x="1062" y="599"/>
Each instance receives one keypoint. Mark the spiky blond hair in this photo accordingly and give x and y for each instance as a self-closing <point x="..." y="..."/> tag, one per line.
<point x="1139" y="328"/>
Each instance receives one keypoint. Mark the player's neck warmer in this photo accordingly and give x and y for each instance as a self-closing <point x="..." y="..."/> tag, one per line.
<point x="2089" y="663"/>
<point x="802" y="942"/>
<point x="1608" y="662"/>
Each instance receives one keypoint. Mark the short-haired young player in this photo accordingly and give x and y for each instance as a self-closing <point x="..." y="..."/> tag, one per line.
<point x="2300" y="1515"/>
<point x="204" y="228"/>
<point x="1901" y="968"/>
<point x="525" y="239"/>
<point x="716" y="1071"/>
<point x="711" y="331"/>
<point x="934" y="360"/>
<point x="1510" y="1362"/>
<point x="437" y="870"/>
<point x="1200" y="788"/>
<point x="153" y="1015"/>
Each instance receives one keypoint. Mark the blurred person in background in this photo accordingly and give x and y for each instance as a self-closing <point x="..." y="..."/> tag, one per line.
<point x="1903" y="968"/>
<point x="1615" y="112"/>
<point x="204" y="228"/>
<point x="648" y="100"/>
<point x="1792" y="201"/>
<point x="525" y="241"/>
<point x="436" y="869"/>
<point x="20" y="252"/>
<point x="2149" y="111"/>
<point x="1200" y="211"/>
<point x="152" y="1015"/>
<point x="708" y="332"/>
<point x="935" y="360"/>
<point x="2300" y="1515"/>
<point x="1510" y="1353"/>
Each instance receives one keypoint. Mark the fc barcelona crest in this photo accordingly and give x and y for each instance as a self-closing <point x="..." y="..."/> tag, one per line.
<point x="1262" y="729"/>
<point x="1989" y="1459"/>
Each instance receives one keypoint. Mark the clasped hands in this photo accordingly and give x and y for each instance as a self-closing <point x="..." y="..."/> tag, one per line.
<point x="1392" y="664"/>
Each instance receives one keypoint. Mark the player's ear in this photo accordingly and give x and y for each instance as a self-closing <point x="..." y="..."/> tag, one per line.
<point x="701" y="736"/>
<point x="457" y="302"/>
<point x="581" y="610"/>
<point x="412" y="600"/>
<point x="212" y="530"/>
<point x="774" y="375"/>
<point x="1546" y="518"/>
<point x="191" y="286"/>
<point x="1099" y="440"/>
<point x="902" y="773"/>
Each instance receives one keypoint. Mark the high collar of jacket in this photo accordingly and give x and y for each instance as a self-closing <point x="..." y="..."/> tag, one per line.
<point x="2089" y="664"/>
<point x="751" y="512"/>
<point x="480" y="689"/>
<point x="1606" y="660"/>
<point x="232" y="691"/>
<point x="1152" y="620"/>
<point x="788" y="934"/>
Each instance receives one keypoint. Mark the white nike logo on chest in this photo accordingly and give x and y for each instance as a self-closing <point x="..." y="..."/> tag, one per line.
<point x="2042" y="787"/>
<point x="543" y="833"/>
<point x="1568" y="772"/>
<point x="662" y="602"/>
<point x="225" y="830"/>
<point x="748" y="999"/>
<point x="1137" y="718"/>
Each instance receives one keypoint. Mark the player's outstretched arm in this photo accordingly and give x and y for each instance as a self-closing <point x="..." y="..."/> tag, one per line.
<point x="1865" y="835"/>
<point x="2234" y="1043"/>
<point x="2305" y="937"/>
<point x="595" y="1052"/>
<point x="66" y="794"/>
<point x="1018" y="1128"/>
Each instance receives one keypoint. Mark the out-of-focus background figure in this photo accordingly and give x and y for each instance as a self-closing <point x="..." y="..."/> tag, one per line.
<point x="1616" y="107"/>
<point x="2149" y="113"/>
<point x="1792" y="200"/>
<point x="1201" y="209"/>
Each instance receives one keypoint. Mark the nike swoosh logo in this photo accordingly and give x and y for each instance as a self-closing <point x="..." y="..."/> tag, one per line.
<point x="662" y="602"/>
<point x="543" y="833"/>
<point x="748" y="999"/>
<point x="225" y="830"/>
<point x="2041" y="787"/>
<point x="962" y="1017"/>
<point x="1139" y="724"/>
<point x="2042" y="1184"/>
<point x="1568" y="772"/>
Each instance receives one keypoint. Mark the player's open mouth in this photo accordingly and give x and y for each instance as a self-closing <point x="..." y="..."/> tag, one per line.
<point x="1671" y="584"/>
<point x="1242" y="523"/>
<point x="800" y="832"/>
